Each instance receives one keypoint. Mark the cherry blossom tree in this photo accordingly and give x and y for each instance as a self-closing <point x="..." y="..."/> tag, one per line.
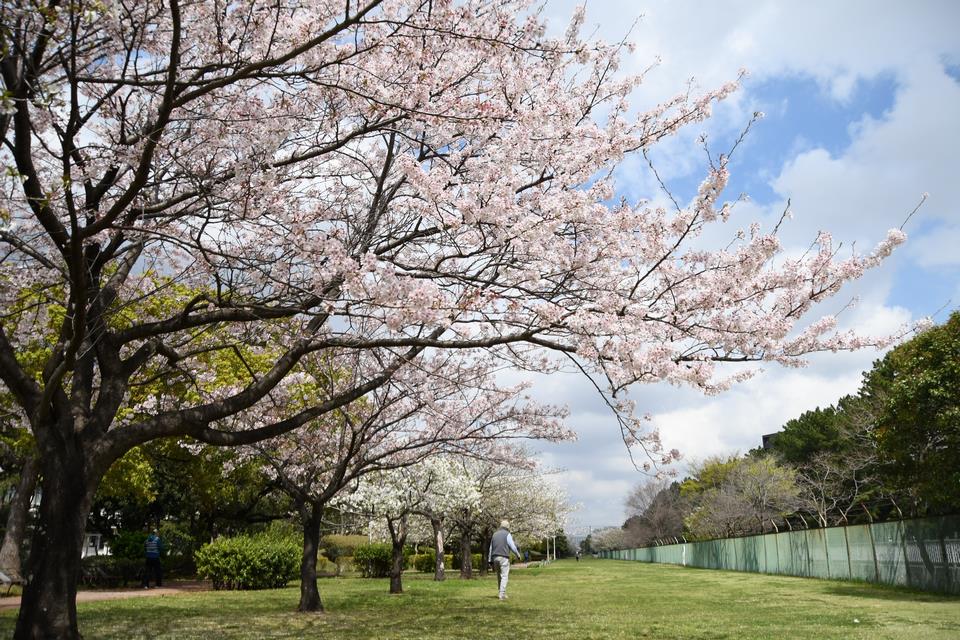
<point x="511" y="487"/>
<point x="435" y="484"/>
<point x="319" y="176"/>
<point x="443" y="404"/>
<point x="454" y="490"/>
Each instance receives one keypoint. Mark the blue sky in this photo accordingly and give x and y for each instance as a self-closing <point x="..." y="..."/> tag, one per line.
<point x="862" y="104"/>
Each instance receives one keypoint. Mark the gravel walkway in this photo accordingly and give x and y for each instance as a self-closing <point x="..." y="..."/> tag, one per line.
<point x="13" y="602"/>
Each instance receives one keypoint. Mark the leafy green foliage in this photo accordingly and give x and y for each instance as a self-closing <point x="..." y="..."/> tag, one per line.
<point x="373" y="560"/>
<point x="810" y="433"/>
<point x="129" y="545"/>
<point x="476" y="559"/>
<point x="918" y="427"/>
<point x="427" y="562"/>
<point x="264" y="561"/>
<point x="336" y="546"/>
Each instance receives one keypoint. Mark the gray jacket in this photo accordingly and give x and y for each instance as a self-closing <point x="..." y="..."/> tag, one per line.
<point x="501" y="545"/>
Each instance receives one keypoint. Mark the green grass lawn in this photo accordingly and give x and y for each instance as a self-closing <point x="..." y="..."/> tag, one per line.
<point x="590" y="599"/>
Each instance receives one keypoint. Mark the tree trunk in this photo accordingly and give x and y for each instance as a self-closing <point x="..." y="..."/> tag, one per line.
<point x="438" y="574"/>
<point x="309" y="591"/>
<point x="484" y="546"/>
<point x="10" y="561"/>
<point x="398" y="536"/>
<point x="466" y="559"/>
<point x="48" y="608"/>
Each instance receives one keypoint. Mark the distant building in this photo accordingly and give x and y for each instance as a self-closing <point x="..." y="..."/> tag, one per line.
<point x="768" y="439"/>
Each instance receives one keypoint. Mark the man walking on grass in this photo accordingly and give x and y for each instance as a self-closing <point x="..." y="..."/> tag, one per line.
<point x="501" y="545"/>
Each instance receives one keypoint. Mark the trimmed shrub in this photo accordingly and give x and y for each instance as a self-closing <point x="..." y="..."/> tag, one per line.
<point x="475" y="560"/>
<point x="336" y="546"/>
<point x="110" y="571"/>
<point x="373" y="560"/>
<point x="249" y="562"/>
<point x="426" y="562"/>
<point x="325" y="567"/>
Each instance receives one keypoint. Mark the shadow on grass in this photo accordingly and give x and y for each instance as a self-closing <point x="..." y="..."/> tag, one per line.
<point x="886" y="592"/>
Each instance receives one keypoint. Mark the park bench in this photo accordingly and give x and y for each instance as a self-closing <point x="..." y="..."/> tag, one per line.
<point x="10" y="577"/>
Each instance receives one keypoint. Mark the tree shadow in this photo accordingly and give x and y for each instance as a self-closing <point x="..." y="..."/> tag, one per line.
<point x="887" y="592"/>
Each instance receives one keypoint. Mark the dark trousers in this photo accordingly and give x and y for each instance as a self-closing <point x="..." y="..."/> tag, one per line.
<point x="154" y="569"/>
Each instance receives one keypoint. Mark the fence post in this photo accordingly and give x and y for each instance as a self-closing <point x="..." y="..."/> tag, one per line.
<point x="846" y="544"/>
<point x="948" y="578"/>
<point x="873" y="547"/>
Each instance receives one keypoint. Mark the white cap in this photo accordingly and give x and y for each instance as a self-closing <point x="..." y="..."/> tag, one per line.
<point x="504" y="524"/>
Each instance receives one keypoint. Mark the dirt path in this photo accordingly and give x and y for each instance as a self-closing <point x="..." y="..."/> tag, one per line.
<point x="171" y="589"/>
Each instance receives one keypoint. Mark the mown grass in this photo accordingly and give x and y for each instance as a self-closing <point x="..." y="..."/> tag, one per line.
<point x="591" y="599"/>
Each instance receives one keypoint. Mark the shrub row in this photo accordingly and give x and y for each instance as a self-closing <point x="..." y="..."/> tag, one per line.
<point x="373" y="560"/>
<point x="475" y="560"/>
<point x="109" y="572"/>
<point x="426" y="562"/>
<point x="262" y="561"/>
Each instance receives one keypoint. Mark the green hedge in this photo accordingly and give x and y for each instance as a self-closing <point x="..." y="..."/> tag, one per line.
<point x="426" y="562"/>
<point x="249" y="562"/>
<point x="336" y="546"/>
<point x="475" y="560"/>
<point x="374" y="560"/>
<point x="110" y="571"/>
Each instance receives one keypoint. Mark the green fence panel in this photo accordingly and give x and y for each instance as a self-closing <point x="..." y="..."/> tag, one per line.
<point x="800" y="553"/>
<point x="818" y="565"/>
<point x="927" y="566"/>
<point x="675" y="554"/>
<point x="837" y="554"/>
<point x="750" y="554"/>
<point x="889" y="548"/>
<point x="785" y="555"/>
<point x="771" y="556"/>
<point x="923" y="554"/>
<point x="950" y="531"/>
<point x="699" y="555"/>
<point x="863" y="565"/>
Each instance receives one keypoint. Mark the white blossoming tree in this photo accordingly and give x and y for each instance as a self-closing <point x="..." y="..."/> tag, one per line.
<point x="305" y="178"/>
<point x="513" y="488"/>
<point x="436" y="484"/>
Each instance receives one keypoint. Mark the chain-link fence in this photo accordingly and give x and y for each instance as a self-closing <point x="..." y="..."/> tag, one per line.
<point x="922" y="554"/>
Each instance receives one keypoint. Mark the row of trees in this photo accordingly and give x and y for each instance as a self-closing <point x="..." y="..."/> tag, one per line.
<point x="892" y="450"/>
<point x="341" y="199"/>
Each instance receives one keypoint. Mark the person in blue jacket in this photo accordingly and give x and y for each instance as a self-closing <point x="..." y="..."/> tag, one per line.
<point x="152" y="547"/>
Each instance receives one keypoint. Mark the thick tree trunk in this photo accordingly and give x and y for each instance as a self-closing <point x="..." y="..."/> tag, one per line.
<point x="10" y="561"/>
<point x="466" y="556"/>
<point x="398" y="536"/>
<point x="439" y="571"/>
<point x="396" y="569"/>
<point x="484" y="546"/>
<point x="48" y="608"/>
<point x="309" y="591"/>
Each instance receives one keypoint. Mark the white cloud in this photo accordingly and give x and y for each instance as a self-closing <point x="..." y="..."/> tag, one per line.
<point x="857" y="193"/>
<point x="937" y="248"/>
